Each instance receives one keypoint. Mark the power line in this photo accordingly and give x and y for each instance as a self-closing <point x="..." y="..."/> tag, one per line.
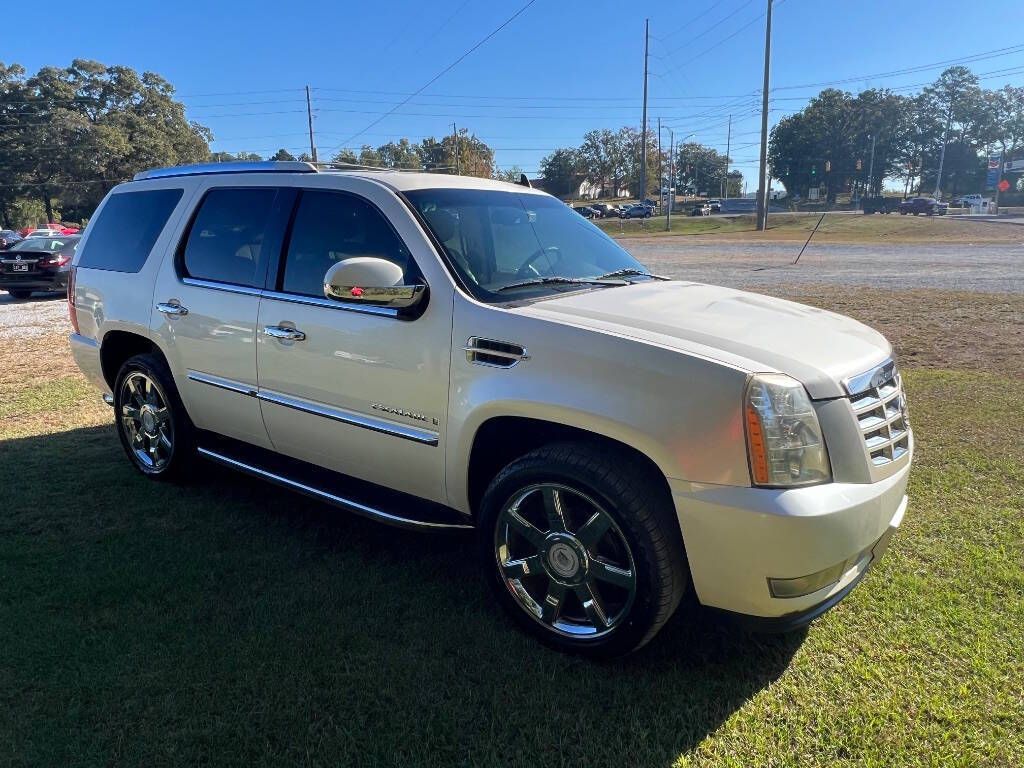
<point x="443" y="72"/>
<point x="715" y="45"/>
<point x="713" y="26"/>
<point x="698" y="17"/>
<point x="984" y="55"/>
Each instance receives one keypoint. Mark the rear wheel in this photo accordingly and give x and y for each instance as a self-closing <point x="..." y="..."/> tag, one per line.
<point x="154" y="429"/>
<point x="582" y="548"/>
<point x="20" y="294"/>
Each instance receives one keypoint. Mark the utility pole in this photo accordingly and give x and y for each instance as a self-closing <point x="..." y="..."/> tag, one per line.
<point x="728" y="146"/>
<point x="458" y="162"/>
<point x="762" y="186"/>
<point x="309" y="114"/>
<point x="871" y="164"/>
<point x="661" y="176"/>
<point x="672" y="172"/>
<point x="942" y="155"/>
<point x="643" y="129"/>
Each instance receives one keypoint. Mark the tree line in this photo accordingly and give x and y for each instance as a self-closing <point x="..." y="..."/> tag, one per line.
<point x="952" y="123"/>
<point x="72" y="133"/>
<point x="610" y="163"/>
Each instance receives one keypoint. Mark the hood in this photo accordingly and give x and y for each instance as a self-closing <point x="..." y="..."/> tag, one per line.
<point x="746" y="330"/>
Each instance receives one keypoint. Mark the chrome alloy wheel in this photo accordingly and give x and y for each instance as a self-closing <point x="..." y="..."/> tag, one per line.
<point x="565" y="561"/>
<point x="147" y="421"/>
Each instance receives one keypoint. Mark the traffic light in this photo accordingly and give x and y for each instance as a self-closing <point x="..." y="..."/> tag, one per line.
<point x="828" y="166"/>
<point x="860" y="165"/>
<point x="814" y="170"/>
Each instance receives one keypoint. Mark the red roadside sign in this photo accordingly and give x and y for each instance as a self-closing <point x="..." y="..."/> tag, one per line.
<point x="1004" y="185"/>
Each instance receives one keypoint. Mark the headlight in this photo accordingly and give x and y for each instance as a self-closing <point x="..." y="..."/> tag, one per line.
<point x="784" y="439"/>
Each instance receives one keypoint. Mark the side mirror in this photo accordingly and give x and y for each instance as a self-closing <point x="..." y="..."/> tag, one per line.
<point x="369" y="280"/>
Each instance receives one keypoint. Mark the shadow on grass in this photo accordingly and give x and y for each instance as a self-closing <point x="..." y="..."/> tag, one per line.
<point x="230" y="622"/>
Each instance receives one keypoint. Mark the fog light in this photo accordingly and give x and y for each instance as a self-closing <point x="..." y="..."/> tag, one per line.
<point x="805" y="585"/>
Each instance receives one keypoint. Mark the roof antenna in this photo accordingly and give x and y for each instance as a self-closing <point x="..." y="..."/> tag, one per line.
<point x="523" y="181"/>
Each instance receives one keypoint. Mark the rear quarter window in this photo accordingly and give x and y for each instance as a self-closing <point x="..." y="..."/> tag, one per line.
<point x="121" y="238"/>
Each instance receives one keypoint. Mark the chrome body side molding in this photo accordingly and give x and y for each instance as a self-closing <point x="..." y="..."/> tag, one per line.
<point x="332" y="498"/>
<point x="228" y="384"/>
<point x="424" y="436"/>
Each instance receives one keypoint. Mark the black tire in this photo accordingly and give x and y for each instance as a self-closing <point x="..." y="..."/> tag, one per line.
<point x="181" y="454"/>
<point x="20" y="295"/>
<point x="634" y="497"/>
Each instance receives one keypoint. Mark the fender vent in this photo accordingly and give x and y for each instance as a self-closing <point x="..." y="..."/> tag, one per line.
<point x="497" y="354"/>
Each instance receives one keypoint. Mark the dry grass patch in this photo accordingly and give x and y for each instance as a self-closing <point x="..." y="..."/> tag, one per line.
<point x="930" y="328"/>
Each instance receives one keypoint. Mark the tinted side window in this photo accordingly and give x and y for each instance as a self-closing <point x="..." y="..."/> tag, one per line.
<point x="329" y="227"/>
<point x="129" y="224"/>
<point x="225" y="243"/>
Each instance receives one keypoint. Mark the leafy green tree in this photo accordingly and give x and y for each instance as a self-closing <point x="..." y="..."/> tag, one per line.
<point x="369" y="156"/>
<point x="511" y="175"/>
<point x="602" y="160"/>
<point x="562" y="172"/>
<point x="474" y="157"/>
<point x="402" y="154"/>
<point x="699" y="168"/>
<point x="282" y="154"/>
<point x="735" y="183"/>
<point x="345" y="156"/>
<point x="74" y="132"/>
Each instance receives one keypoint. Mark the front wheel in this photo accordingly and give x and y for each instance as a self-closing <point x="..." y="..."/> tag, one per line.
<point x="582" y="548"/>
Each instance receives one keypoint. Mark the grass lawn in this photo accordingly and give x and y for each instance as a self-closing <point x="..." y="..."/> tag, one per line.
<point x="226" y="622"/>
<point x="835" y="228"/>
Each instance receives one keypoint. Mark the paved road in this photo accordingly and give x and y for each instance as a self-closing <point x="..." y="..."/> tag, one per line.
<point x="963" y="267"/>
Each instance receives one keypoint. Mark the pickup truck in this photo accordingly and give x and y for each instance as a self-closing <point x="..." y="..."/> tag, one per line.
<point x="926" y="205"/>
<point x="969" y="201"/>
<point x="449" y="353"/>
<point x="880" y="204"/>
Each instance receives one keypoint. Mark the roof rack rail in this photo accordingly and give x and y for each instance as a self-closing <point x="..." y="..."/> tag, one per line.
<point x="202" y="169"/>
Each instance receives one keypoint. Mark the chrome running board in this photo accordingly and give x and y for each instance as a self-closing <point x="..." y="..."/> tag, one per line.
<point x="335" y="499"/>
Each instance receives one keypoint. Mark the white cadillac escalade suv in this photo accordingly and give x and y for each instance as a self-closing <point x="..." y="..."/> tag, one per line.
<point x="447" y="352"/>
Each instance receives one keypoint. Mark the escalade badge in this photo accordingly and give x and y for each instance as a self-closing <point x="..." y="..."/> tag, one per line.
<point x="401" y="412"/>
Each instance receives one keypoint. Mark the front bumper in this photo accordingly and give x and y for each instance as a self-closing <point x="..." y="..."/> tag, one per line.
<point x="737" y="539"/>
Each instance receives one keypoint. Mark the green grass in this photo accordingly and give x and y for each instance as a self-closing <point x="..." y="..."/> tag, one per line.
<point x="225" y="622"/>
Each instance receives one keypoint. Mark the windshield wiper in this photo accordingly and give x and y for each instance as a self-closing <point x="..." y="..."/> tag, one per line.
<point x="555" y="280"/>
<point x="629" y="272"/>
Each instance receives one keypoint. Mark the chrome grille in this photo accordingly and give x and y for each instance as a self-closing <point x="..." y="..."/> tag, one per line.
<point x="881" y="412"/>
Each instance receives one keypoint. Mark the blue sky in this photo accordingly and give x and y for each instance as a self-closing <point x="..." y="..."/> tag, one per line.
<point x="558" y="70"/>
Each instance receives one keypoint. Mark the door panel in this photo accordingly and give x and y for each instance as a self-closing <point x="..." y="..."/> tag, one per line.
<point x="207" y="302"/>
<point x="212" y="353"/>
<point x="362" y="394"/>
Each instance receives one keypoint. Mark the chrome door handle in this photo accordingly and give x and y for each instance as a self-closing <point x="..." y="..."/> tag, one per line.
<point x="171" y="308"/>
<point x="287" y="334"/>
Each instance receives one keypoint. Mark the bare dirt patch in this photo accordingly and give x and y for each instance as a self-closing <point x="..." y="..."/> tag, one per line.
<point x="931" y="328"/>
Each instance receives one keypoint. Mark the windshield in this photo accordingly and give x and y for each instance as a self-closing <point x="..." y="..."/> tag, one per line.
<point x="38" y="244"/>
<point x="495" y="239"/>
